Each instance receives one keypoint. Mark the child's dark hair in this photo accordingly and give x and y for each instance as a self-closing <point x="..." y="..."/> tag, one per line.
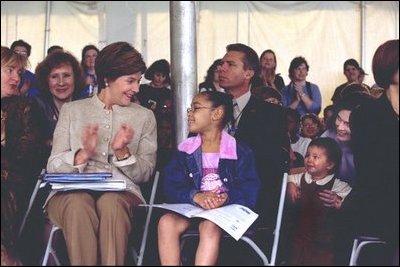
<point x="221" y="99"/>
<point x="333" y="151"/>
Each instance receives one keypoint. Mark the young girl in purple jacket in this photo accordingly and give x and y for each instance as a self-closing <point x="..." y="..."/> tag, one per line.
<point x="209" y="170"/>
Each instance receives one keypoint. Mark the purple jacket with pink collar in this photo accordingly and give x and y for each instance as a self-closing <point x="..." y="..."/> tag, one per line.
<point x="237" y="169"/>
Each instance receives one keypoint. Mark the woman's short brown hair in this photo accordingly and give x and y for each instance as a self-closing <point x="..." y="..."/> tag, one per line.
<point x="118" y="59"/>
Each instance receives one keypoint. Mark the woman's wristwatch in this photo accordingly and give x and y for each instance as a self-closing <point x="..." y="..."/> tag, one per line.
<point x="124" y="157"/>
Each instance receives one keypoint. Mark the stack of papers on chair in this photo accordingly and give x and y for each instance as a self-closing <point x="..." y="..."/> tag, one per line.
<point x="105" y="185"/>
<point x="76" y="177"/>
<point x="100" y="181"/>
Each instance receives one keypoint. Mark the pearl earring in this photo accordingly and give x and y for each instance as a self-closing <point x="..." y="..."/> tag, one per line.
<point x="106" y="83"/>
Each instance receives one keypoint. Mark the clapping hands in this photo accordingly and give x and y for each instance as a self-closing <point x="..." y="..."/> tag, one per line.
<point x="89" y="143"/>
<point x="89" y="138"/>
<point x="122" y="138"/>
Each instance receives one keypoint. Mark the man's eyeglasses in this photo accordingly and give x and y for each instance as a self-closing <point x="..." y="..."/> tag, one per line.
<point x="193" y="109"/>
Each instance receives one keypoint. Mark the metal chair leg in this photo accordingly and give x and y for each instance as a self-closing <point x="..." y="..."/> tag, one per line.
<point x="49" y="247"/>
<point x="359" y="243"/>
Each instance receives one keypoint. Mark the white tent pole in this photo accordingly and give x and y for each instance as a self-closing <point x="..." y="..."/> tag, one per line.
<point x="47" y="28"/>
<point x="183" y="61"/>
<point x="144" y="32"/>
<point x="363" y="32"/>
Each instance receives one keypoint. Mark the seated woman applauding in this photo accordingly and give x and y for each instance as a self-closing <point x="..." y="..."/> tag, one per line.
<point x="105" y="133"/>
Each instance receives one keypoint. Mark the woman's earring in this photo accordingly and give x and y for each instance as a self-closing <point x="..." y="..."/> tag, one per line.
<point x="106" y="84"/>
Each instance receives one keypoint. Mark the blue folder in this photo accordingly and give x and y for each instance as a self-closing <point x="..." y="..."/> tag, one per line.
<point x="76" y="177"/>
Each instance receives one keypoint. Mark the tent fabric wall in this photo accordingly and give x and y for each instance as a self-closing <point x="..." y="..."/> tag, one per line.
<point x="326" y="33"/>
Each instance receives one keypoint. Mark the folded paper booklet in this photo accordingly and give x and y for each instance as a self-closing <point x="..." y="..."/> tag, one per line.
<point x="235" y="219"/>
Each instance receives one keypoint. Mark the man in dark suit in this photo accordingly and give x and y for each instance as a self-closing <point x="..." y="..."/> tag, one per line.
<point x="260" y="125"/>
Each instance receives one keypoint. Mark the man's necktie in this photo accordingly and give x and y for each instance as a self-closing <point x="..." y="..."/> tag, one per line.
<point x="236" y="111"/>
<point x="235" y="121"/>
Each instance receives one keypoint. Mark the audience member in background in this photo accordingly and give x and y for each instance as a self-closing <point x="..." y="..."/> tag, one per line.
<point x="104" y="133"/>
<point x="55" y="48"/>
<point x="211" y="82"/>
<point x="23" y="154"/>
<point x="374" y="201"/>
<point x="157" y="96"/>
<point x="89" y="54"/>
<point x="298" y="143"/>
<point x="267" y="94"/>
<point x="27" y="85"/>
<point x="311" y="126"/>
<point x="268" y="76"/>
<point x="258" y="124"/>
<point x="339" y="130"/>
<point x="318" y="193"/>
<point x="354" y="90"/>
<point x="303" y="96"/>
<point x="152" y="95"/>
<point x="60" y="81"/>
<point x="354" y="74"/>
<point x="209" y="170"/>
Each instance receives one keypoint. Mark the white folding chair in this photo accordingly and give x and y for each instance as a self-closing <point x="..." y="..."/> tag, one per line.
<point x="359" y="243"/>
<point x="139" y="256"/>
<point x="247" y="237"/>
